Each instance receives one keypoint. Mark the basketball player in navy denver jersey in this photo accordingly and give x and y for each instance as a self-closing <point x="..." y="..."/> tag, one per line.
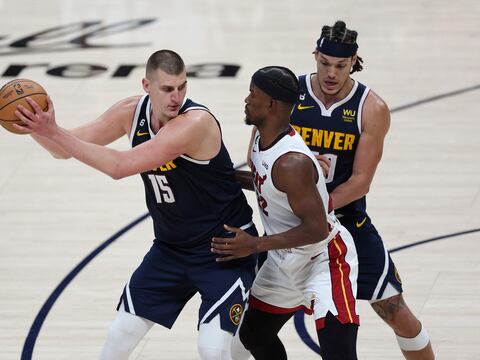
<point x="312" y="262"/>
<point x="191" y="193"/>
<point x="345" y="123"/>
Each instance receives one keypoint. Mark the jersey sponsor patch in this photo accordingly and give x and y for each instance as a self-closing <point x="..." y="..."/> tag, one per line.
<point x="235" y="313"/>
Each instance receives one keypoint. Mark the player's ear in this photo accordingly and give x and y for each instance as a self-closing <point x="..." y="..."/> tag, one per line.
<point x="354" y="59"/>
<point x="273" y="102"/>
<point x="146" y="85"/>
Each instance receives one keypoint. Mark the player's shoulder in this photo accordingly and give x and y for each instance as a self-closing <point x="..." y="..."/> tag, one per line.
<point x="375" y="103"/>
<point x="128" y="104"/>
<point x="291" y="169"/>
<point x="376" y="114"/>
<point x="124" y="108"/>
<point x="293" y="162"/>
<point x="197" y="115"/>
<point x="122" y="111"/>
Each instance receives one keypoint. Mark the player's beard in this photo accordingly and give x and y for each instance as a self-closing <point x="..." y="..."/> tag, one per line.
<point x="256" y="122"/>
<point x="248" y="121"/>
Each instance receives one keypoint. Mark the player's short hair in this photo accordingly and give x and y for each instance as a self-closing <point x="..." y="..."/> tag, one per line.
<point x="165" y="60"/>
<point x="278" y="82"/>
<point x="339" y="33"/>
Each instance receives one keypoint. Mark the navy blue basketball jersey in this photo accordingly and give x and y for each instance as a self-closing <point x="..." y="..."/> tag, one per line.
<point x="333" y="132"/>
<point x="189" y="200"/>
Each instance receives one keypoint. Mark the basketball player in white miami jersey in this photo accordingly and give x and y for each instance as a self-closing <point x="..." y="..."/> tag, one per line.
<point x="312" y="262"/>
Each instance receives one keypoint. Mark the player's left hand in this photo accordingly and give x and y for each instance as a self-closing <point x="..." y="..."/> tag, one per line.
<point x="324" y="163"/>
<point x="37" y="122"/>
<point x="243" y="244"/>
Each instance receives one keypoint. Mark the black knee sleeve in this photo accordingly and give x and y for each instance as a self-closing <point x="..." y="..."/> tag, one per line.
<point x="338" y="341"/>
<point x="252" y="334"/>
<point x="247" y="336"/>
<point x="258" y="333"/>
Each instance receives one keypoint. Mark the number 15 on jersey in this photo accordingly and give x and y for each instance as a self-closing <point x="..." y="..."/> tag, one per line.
<point x="161" y="188"/>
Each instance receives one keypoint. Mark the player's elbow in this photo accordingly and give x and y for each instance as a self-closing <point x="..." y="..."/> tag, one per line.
<point x="322" y="234"/>
<point x="60" y="156"/>
<point x="119" y="165"/>
<point x="116" y="176"/>
<point x="114" y="170"/>
<point x="116" y="173"/>
<point x="317" y="232"/>
<point x="120" y="170"/>
<point x="362" y="188"/>
<point x="365" y="189"/>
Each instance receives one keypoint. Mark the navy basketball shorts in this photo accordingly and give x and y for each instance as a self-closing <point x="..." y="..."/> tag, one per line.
<point x="169" y="277"/>
<point x="378" y="278"/>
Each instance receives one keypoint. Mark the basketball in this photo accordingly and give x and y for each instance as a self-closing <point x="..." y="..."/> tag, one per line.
<point x="15" y="93"/>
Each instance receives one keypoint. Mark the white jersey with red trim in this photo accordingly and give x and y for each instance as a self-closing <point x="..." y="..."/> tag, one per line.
<point x="318" y="278"/>
<point x="275" y="211"/>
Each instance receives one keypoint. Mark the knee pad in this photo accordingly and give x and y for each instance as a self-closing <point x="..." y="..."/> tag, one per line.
<point x="123" y="336"/>
<point x="213" y="342"/>
<point x="416" y="343"/>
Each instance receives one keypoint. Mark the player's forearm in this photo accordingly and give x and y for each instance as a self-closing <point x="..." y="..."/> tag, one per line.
<point x="245" y="179"/>
<point x="299" y="236"/>
<point x="99" y="157"/>
<point x="56" y="151"/>
<point x="349" y="191"/>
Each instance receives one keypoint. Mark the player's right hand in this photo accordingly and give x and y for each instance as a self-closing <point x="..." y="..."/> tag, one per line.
<point x="324" y="163"/>
<point x="37" y="122"/>
<point x="241" y="245"/>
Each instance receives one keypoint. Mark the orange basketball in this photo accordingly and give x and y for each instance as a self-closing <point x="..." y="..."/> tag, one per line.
<point x="14" y="93"/>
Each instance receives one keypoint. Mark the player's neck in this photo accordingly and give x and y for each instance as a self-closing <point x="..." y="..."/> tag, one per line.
<point x="269" y="135"/>
<point x="330" y="99"/>
<point x="157" y="123"/>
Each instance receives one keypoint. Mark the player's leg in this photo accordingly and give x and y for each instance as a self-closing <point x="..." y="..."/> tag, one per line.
<point x="379" y="282"/>
<point x="124" y="334"/>
<point x="224" y="294"/>
<point x="412" y="337"/>
<point x="259" y="334"/>
<point x="238" y="350"/>
<point x="155" y="293"/>
<point x="332" y="284"/>
<point x="224" y="291"/>
<point x="337" y="341"/>
<point x="213" y="342"/>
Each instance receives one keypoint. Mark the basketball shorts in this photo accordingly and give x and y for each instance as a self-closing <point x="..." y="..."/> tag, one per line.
<point x="294" y="279"/>
<point x="168" y="277"/>
<point x="378" y="278"/>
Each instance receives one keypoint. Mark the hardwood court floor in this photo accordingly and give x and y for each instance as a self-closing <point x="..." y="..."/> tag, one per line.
<point x="54" y="213"/>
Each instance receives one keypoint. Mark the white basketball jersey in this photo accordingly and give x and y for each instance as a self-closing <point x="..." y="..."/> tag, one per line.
<point x="275" y="211"/>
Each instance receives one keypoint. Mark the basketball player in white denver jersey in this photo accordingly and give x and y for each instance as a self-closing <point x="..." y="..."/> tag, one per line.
<point x="313" y="263"/>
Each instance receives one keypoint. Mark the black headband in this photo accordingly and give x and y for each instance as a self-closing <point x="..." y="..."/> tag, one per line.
<point x="270" y="85"/>
<point x="336" y="49"/>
